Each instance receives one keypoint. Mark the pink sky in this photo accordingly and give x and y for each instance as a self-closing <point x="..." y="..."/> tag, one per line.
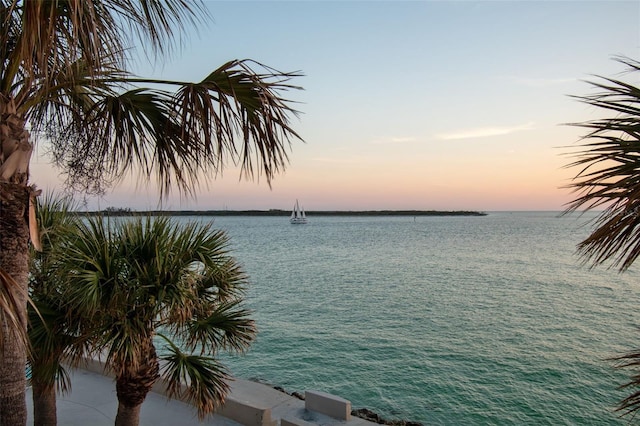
<point x="409" y="105"/>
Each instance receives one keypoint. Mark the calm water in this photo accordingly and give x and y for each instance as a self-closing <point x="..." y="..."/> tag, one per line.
<point x="443" y="320"/>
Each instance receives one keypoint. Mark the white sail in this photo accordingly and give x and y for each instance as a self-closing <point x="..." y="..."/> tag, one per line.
<point x="297" y="214"/>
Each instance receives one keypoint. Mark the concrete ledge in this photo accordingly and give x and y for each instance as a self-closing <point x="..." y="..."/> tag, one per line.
<point x="161" y="387"/>
<point x="331" y="405"/>
<point x="96" y="365"/>
<point x="290" y="421"/>
<point x="253" y="404"/>
<point x="245" y="413"/>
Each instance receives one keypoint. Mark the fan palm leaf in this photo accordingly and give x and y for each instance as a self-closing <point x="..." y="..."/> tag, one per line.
<point x="200" y="380"/>
<point x="175" y="136"/>
<point x="609" y="178"/>
<point x="129" y="279"/>
<point x="227" y="327"/>
<point x="56" y="334"/>
<point x="609" y="174"/>
<point x="50" y="344"/>
<point x="631" y="404"/>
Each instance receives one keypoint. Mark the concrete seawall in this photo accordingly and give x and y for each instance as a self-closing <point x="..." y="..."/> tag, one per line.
<point x="93" y="401"/>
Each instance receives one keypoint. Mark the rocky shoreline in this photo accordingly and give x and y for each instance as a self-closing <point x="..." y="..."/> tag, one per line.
<point x="363" y="413"/>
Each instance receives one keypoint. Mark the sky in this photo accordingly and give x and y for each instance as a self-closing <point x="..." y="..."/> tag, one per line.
<point x="430" y="105"/>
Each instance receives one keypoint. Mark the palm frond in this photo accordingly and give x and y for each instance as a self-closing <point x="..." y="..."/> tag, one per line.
<point x="261" y="115"/>
<point x="227" y="327"/>
<point x="217" y="276"/>
<point x="201" y="380"/>
<point x="131" y="278"/>
<point x="609" y="177"/>
<point x="160" y="22"/>
<point x="631" y="404"/>
<point x="71" y="93"/>
<point x="55" y="331"/>
<point x="122" y="341"/>
<point x="43" y="37"/>
<point x="225" y="283"/>
<point x="56" y="338"/>
<point x="175" y="137"/>
<point x="609" y="173"/>
<point x="53" y="35"/>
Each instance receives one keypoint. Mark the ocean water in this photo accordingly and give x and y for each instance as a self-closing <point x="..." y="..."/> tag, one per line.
<point x="441" y="320"/>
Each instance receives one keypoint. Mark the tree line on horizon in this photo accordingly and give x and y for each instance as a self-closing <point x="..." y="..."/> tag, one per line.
<point x="113" y="211"/>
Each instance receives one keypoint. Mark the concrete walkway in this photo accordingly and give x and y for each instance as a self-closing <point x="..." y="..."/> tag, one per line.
<point x="93" y="402"/>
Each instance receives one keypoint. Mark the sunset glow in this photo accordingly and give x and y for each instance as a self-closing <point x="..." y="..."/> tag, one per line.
<point x="408" y="105"/>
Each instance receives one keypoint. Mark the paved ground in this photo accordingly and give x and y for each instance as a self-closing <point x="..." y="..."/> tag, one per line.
<point x="93" y="402"/>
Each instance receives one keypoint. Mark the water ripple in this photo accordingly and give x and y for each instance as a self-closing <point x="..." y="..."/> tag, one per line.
<point x="452" y="320"/>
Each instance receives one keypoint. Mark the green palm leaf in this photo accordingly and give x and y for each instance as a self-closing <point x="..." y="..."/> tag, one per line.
<point x="51" y="346"/>
<point x="227" y="327"/>
<point x="609" y="178"/>
<point x="55" y="331"/>
<point x="174" y="136"/>
<point x="201" y="380"/>
<point x="131" y="278"/>
<point x="631" y="404"/>
<point x="609" y="174"/>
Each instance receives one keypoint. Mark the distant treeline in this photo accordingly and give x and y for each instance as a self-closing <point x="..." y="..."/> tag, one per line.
<point x="276" y="212"/>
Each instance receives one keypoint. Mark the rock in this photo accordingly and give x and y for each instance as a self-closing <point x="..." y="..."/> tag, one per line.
<point x="298" y="395"/>
<point x="366" y="414"/>
<point x="293" y="394"/>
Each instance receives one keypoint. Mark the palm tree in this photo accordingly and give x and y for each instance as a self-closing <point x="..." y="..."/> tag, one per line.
<point x="609" y="178"/>
<point x="56" y="333"/>
<point x="64" y="76"/>
<point x="146" y="288"/>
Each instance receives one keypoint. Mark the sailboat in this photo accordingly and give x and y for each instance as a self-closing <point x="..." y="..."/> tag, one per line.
<point x="297" y="215"/>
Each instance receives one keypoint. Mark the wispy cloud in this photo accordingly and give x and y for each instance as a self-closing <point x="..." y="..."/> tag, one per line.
<point x="394" y="139"/>
<point x="403" y="139"/>
<point x="483" y="132"/>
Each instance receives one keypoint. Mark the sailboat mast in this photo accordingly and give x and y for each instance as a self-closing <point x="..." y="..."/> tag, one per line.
<point x="298" y="215"/>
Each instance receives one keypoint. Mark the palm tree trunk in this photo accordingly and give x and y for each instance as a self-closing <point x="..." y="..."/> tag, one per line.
<point x="14" y="260"/>
<point x="128" y="416"/>
<point x="44" y="405"/>
<point x="132" y="386"/>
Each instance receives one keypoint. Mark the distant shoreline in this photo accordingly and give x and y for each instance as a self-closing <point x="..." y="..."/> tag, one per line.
<point x="277" y="212"/>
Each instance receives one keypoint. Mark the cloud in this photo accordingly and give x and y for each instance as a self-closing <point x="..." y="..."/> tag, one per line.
<point x="403" y="139"/>
<point x="483" y="132"/>
<point x="394" y="139"/>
